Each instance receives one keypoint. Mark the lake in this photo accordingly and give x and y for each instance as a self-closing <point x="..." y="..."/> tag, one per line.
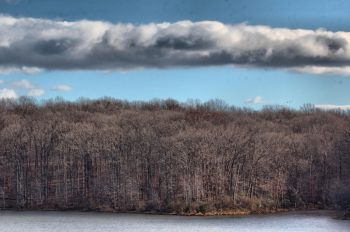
<point x="13" y="221"/>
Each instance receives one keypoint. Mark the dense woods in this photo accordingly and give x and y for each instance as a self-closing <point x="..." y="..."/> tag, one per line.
<point x="167" y="156"/>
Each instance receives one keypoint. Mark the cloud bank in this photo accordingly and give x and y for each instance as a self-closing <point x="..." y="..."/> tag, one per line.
<point x="35" y="44"/>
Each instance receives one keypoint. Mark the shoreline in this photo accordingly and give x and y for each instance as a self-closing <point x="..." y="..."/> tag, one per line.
<point x="334" y="213"/>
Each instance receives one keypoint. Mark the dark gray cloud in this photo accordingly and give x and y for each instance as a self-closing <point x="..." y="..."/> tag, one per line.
<point x="60" y="45"/>
<point x="53" y="46"/>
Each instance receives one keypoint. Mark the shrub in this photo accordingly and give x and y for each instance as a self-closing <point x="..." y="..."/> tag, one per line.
<point x="202" y="209"/>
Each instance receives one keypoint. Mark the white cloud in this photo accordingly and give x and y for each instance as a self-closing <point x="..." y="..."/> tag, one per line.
<point x="37" y="92"/>
<point x="342" y="71"/>
<point x="255" y="100"/>
<point x="24" y="69"/>
<point x="7" y="93"/>
<point x="63" y="88"/>
<point x="1" y="82"/>
<point x="30" y="70"/>
<point x="333" y="107"/>
<point x="7" y="70"/>
<point x="32" y="90"/>
<point x="23" y="84"/>
<point x="96" y="45"/>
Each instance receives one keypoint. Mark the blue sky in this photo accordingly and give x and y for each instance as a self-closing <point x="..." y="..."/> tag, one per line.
<point x="247" y="87"/>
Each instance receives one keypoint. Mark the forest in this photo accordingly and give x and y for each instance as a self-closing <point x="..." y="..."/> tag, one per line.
<point x="170" y="157"/>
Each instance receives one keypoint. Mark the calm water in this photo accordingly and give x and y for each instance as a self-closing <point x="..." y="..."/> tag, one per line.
<point x="86" y="222"/>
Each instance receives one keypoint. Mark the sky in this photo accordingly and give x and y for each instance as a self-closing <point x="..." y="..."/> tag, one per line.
<point x="249" y="53"/>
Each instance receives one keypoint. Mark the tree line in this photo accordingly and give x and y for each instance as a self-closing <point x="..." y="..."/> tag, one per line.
<point x="167" y="156"/>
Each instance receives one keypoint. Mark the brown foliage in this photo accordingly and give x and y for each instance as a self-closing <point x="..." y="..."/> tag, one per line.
<point x="166" y="156"/>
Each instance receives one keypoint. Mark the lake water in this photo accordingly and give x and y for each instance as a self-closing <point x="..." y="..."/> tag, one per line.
<point x="12" y="221"/>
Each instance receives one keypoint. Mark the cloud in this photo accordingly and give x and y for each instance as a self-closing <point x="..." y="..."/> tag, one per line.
<point x="255" y="100"/>
<point x="37" y="92"/>
<point x="96" y="45"/>
<point x="32" y="90"/>
<point x="26" y="70"/>
<point x="7" y="93"/>
<point x="1" y="82"/>
<point x="23" y="84"/>
<point x="333" y="107"/>
<point x="63" y="88"/>
<point x="342" y="71"/>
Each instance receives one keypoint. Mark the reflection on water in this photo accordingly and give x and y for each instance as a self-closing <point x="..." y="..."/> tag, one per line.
<point x="11" y="221"/>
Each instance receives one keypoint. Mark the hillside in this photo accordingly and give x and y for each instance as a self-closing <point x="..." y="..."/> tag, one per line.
<point x="163" y="156"/>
